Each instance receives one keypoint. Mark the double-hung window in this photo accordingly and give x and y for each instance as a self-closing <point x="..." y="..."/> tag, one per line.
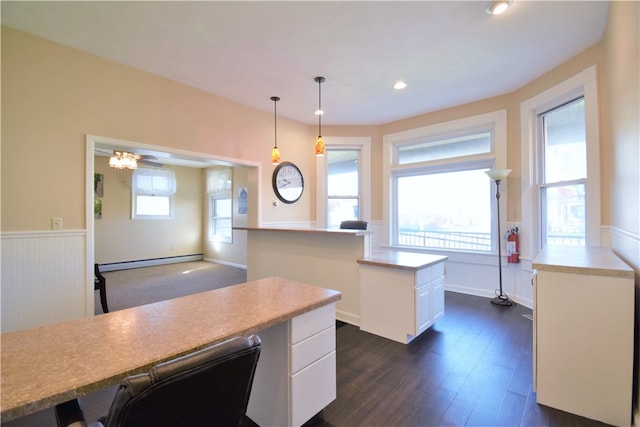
<point x="563" y="174"/>
<point x="343" y="181"/>
<point x="560" y="166"/>
<point x="152" y="193"/>
<point x="219" y="190"/>
<point x="439" y="195"/>
<point x="343" y="186"/>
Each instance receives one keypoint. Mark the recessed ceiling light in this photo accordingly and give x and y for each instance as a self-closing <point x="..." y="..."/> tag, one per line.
<point x="497" y="7"/>
<point x="399" y="85"/>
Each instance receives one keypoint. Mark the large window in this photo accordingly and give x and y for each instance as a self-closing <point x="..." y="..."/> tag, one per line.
<point x="152" y="193"/>
<point x="563" y="173"/>
<point x="439" y="195"/>
<point x="447" y="210"/>
<point x="561" y="166"/>
<point x="343" y="186"/>
<point x="219" y="190"/>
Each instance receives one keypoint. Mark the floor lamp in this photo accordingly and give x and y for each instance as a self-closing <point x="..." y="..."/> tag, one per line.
<point x="498" y="175"/>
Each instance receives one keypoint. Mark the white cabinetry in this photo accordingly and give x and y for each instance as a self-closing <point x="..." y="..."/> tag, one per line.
<point x="583" y="333"/>
<point x="401" y="294"/>
<point x="296" y="374"/>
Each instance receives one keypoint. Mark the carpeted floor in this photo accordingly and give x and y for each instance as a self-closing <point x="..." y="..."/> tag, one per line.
<point x="146" y="285"/>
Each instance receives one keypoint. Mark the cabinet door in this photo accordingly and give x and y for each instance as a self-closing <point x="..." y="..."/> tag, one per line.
<point x="424" y="316"/>
<point x="437" y="298"/>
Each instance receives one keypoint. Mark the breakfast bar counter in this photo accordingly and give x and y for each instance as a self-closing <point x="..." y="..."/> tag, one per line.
<point x="44" y="366"/>
<point x="316" y="256"/>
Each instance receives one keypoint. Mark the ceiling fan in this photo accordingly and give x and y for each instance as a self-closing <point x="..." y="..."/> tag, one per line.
<point x="124" y="160"/>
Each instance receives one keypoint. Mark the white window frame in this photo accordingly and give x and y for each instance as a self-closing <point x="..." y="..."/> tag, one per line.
<point x="168" y="194"/>
<point x="214" y="217"/>
<point x="495" y="121"/>
<point x="219" y="191"/>
<point x="363" y="144"/>
<point x="583" y="84"/>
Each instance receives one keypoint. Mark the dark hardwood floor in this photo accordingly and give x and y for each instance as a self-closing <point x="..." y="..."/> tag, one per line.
<point x="473" y="368"/>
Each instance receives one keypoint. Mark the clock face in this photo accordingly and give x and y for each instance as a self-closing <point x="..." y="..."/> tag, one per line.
<point x="288" y="183"/>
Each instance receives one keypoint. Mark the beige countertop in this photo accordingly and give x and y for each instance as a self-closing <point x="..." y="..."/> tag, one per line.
<point x="402" y="260"/>
<point x="582" y="260"/>
<point x="334" y="231"/>
<point x="44" y="366"/>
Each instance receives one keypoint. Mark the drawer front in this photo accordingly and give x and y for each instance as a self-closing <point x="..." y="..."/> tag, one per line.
<point x="312" y="389"/>
<point x="437" y="270"/>
<point x="312" y="322"/>
<point x="313" y="348"/>
<point x="423" y="276"/>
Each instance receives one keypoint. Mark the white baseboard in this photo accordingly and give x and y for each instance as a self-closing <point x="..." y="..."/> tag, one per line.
<point x="230" y="264"/>
<point x="486" y="294"/>
<point x="125" y="265"/>
<point x="348" y="318"/>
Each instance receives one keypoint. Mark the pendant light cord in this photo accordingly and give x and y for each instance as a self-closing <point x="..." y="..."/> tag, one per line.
<point x="275" y="100"/>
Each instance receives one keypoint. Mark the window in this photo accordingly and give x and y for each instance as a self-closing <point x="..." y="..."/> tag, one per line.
<point x="560" y="166"/>
<point x="219" y="190"/>
<point x="343" y="181"/>
<point x="429" y="216"/>
<point x="152" y="193"/>
<point x="563" y="173"/>
<point x="439" y="195"/>
<point x="343" y="186"/>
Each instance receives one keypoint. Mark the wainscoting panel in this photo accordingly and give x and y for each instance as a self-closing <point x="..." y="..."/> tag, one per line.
<point x="43" y="278"/>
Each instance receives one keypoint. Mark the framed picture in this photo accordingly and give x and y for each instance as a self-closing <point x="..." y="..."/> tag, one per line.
<point x="98" y="185"/>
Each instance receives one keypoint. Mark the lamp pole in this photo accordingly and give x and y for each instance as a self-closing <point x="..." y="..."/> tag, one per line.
<point x="498" y="175"/>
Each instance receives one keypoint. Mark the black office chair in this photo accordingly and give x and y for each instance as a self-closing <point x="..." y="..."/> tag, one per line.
<point x="353" y="225"/>
<point x="209" y="387"/>
<point x="100" y="284"/>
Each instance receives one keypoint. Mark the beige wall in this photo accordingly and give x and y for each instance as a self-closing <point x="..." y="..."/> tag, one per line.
<point x="119" y="238"/>
<point x="71" y="94"/>
<point x="621" y="134"/>
<point x="52" y="96"/>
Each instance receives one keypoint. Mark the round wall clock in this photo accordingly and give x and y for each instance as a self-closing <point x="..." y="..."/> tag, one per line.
<point x="288" y="182"/>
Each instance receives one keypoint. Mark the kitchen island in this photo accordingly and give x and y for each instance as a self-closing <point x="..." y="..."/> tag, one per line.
<point x="402" y="293"/>
<point x="44" y="366"/>
<point x="393" y="294"/>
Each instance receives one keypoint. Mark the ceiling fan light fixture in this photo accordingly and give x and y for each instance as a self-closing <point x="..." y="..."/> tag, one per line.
<point x="497" y="7"/>
<point x="123" y="161"/>
<point x="319" y="146"/>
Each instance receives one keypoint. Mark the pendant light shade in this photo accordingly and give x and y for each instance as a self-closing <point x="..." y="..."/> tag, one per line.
<point x="319" y="112"/>
<point x="275" y="153"/>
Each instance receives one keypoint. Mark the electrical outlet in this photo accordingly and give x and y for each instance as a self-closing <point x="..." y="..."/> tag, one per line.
<point x="56" y="223"/>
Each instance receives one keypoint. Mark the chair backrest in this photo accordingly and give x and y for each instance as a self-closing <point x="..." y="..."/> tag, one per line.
<point x="208" y="387"/>
<point x="353" y="225"/>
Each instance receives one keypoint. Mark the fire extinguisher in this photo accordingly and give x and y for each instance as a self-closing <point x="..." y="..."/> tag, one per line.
<point x="513" y="245"/>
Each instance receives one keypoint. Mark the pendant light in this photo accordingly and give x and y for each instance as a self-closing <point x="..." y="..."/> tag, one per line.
<point x="275" y="153"/>
<point x="319" y="112"/>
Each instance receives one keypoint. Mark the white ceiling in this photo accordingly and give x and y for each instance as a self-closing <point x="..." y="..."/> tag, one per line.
<point x="448" y="52"/>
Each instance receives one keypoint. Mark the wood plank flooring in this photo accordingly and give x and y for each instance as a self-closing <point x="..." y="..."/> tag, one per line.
<point x="473" y="368"/>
